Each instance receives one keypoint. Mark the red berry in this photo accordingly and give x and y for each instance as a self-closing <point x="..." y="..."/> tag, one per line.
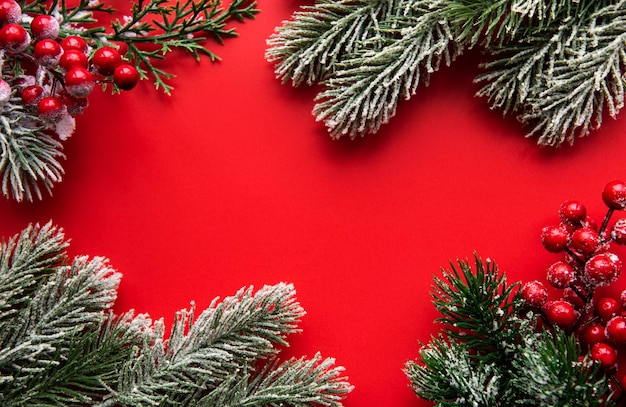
<point x="572" y="213"/>
<point x="10" y="12"/>
<point x="51" y="108"/>
<point x="73" y="58"/>
<point x="125" y="77"/>
<point x="606" y="308"/>
<point x="47" y="52"/>
<point x="603" y="269"/>
<point x="534" y="293"/>
<point x="560" y="313"/>
<point x="604" y="353"/>
<point x="614" y="195"/>
<point x="560" y="274"/>
<point x="618" y="232"/>
<point x="79" y="82"/>
<point x="554" y="238"/>
<point x="616" y="330"/>
<point x="585" y="240"/>
<point x="32" y="95"/>
<point x="74" y="42"/>
<point x="592" y="334"/>
<point x="106" y="59"/>
<point x="44" y="26"/>
<point x="14" y="38"/>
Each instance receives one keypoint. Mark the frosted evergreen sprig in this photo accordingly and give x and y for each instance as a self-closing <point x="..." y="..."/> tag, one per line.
<point x="504" y="361"/>
<point x="60" y="344"/>
<point x="558" y="66"/>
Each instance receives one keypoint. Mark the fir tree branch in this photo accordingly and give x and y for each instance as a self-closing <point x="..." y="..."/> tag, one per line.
<point x="60" y="344"/>
<point x="67" y="303"/>
<point x="89" y="370"/>
<point x="367" y="85"/>
<point x="295" y="382"/>
<point x="29" y="157"/>
<point x="479" y="308"/>
<point x="307" y="48"/>
<point x="227" y="340"/>
<point x="25" y="260"/>
<point x="575" y="100"/>
<point x="448" y="375"/>
<point x="547" y="372"/>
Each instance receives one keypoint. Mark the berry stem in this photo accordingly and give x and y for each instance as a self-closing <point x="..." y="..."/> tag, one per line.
<point x="575" y="256"/>
<point x="605" y="222"/>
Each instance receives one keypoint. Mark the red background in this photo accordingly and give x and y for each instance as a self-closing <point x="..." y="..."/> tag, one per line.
<point x="230" y="182"/>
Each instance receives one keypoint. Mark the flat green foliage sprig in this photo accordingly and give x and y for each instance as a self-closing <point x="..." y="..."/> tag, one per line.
<point x="492" y="352"/>
<point x="557" y="66"/>
<point x="32" y="136"/>
<point x="61" y="344"/>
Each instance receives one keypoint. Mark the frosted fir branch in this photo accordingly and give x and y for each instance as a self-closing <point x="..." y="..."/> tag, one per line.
<point x="447" y="374"/>
<point x="29" y="156"/>
<point x="547" y="371"/>
<point x="307" y="48"/>
<point x="70" y="301"/>
<point x="25" y="260"/>
<point x="224" y="343"/>
<point x="366" y="87"/>
<point x="583" y="87"/>
<point x="295" y="382"/>
<point x="89" y="368"/>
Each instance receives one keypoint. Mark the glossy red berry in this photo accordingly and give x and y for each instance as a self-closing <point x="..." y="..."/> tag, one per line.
<point x="585" y="241"/>
<point x="14" y="38"/>
<point x="554" y="238"/>
<point x="10" y="12"/>
<point x="603" y="269"/>
<point x="606" y="308"/>
<point x="572" y="213"/>
<point x="604" y="353"/>
<point x="534" y="294"/>
<point x="51" y="108"/>
<point x="125" y="77"/>
<point x="32" y="95"/>
<point x="106" y="59"/>
<point x="618" y="231"/>
<point x="73" y="58"/>
<point x="47" y="52"/>
<point x="79" y="82"/>
<point x="560" y="313"/>
<point x="616" y="330"/>
<point x="593" y="333"/>
<point x="614" y="195"/>
<point x="560" y="274"/>
<point x="74" y="42"/>
<point x="44" y="26"/>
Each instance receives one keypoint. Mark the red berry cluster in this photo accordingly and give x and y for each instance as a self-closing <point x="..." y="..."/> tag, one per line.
<point x="64" y="71"/>
<point x="588" y="263"/>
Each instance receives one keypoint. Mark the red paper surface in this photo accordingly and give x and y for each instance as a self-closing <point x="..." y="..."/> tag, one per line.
<point x="230" y="182"/>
